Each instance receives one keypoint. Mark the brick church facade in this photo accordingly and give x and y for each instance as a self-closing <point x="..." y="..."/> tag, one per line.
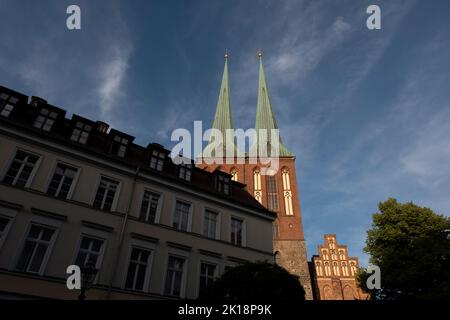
<point x="278" y="192"/>
<point x="334" y="272"/>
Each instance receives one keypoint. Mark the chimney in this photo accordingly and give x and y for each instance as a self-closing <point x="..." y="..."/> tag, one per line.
<point x="37" y="101"/>
<point x="102" y="127"/>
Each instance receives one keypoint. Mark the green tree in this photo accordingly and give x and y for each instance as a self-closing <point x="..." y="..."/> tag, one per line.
<point x="411" y="245"/>
<point x="258" y="281"/>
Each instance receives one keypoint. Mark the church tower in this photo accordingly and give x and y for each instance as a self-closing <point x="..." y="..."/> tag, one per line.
<point x="277" y="192"/>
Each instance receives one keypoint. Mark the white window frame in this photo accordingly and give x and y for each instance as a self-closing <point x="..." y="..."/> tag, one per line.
<point x="122" y="146"/>
<point x="8" y="103"/>
<point x="33" y="172"/>
<point x="97" y="234"/>
<point x="218" y="224"/>
<point x="158" y="159"/>
<point x="43" y="223"/>
<point x="74" y="182"/>
<point x="5" y="232"/>
<point x="102" y="250"/>
<point x="207" y="260"/>
<point x="225" y="182"/>
<point x="116" y="196"/>
<point x="160" y="204"/>
<point x="244" y="231"/>
<point x="184" y="275"/>
<point x="148" y="272"/>
<point x="82" y="130"/>
<point x="190" y="217"/>
<point x="46" y="117"/>
<point x="186" y="168"/>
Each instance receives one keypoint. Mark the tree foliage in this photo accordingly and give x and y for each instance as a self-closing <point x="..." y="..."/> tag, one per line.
<point x="411" y="245"/>
<point x="259" y="281"/>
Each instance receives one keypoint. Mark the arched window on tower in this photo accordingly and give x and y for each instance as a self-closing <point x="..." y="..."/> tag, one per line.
<point x="327" y="269"/>
<point x="257" y="185"/>
<point x="272" y="195"/>
<point x="319" y="269"/>
<point x="234" y="174"/>
<point x="331" y="242"/>
<point x="333" y="254"/>
<point x="287" y="192"/>
<point x="353" y="268"/>
<point x="325" y="254"/>
<point x="336" y="269"/>
<point x="341" y="254"/>
<point x="344" y="269"/>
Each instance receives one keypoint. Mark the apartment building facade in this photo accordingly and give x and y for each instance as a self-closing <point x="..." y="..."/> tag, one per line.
<point x="73" y="191"/>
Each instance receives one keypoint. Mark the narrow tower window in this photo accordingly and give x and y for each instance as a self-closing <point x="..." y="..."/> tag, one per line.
<point x="272" y="195"/>
<point x="257" y="185"/>
<point x="287" y="192"/>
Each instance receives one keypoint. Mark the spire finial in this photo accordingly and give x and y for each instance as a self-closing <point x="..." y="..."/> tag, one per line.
<point x="260" y="53"/>
<point x="226" y="54"/>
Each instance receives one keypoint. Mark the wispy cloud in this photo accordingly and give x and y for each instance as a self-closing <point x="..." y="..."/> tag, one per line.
<point x="80" y="70"/>
<point x="111" y="74"/>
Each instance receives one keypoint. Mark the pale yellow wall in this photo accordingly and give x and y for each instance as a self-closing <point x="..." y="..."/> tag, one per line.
<point x="258" y="230"/>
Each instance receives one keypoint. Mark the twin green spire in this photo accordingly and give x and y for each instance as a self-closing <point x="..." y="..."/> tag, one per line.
<point x="223" y="119"/>
<point x="265" y="118"/>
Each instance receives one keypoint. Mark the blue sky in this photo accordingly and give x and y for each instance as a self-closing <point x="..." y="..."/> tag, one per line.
<point x="366" y="112"/>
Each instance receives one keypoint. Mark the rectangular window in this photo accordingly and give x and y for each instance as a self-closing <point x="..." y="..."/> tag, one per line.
<point x="21" y="168"/>
<point x="62" y="181"/>
<point x="207" y="274"/>
<point x="3" y="224"/>
<point x="7" y="104"/>
<point x="174" y="276"/>
<point x="210" y="224"/>
<point x="81" y="132"/>
<point x="181" y="216"/>
<point x="137" y="269"/>
<point x="106" y="194"/>
<point x="185" y="172"/>
<point x="272" y="195"/>
<point x="45" y="119"/>
<point x="35" y="249"/>
<point x="157" y="160"/>
<point x="149" y="206"/>
<point x="236" y="231"/>
<point x="90" y="251"/>
<point x="223" y="184"/>
<point x="119" y="146"/>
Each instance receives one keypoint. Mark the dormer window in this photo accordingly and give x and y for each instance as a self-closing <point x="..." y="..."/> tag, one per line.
<point x="119" y="146"/>
<point x="234" y="174"/>
<point x="7" y="104"/>
<point x="81" y="132"/>
<point x="223" y="184"/>
<point x="185" y="172"/>
<point x="157" y="160"/>
<point x="45" y="119"/>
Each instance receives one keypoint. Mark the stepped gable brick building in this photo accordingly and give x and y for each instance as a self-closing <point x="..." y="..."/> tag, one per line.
<point x="334" y="272"/>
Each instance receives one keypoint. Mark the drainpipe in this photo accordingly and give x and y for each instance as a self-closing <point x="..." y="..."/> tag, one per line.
<point x="122" y="234"/>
